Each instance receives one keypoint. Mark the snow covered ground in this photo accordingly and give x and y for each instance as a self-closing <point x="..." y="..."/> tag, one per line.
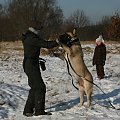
<point x="62" y="98"/>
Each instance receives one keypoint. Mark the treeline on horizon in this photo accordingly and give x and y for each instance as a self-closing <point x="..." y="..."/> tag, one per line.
<point x="15" y="17"/>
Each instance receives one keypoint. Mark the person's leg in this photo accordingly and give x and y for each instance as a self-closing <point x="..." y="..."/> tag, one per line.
<point x="29" y="106"/>
<point x="30" y="103"/>
<point x="100" y="71"/>
<point x="40" y="90"/>
<point x="40" y="103"/>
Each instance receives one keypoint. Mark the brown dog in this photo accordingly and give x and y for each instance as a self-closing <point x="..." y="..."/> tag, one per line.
<point x="74" y="57"/>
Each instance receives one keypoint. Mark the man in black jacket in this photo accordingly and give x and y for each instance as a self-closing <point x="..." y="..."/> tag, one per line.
<point x="32" y="43"/>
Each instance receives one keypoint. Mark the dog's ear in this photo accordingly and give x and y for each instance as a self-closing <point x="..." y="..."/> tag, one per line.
<point x="74" y="31"/>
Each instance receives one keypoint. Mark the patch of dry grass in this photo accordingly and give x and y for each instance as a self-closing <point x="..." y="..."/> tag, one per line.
<point x="93" y="42"/>
<point x="17" y="45"/>
<point x="11" y="46"/>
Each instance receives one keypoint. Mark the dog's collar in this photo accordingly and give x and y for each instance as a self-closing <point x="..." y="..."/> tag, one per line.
<point x="72" y="42"/>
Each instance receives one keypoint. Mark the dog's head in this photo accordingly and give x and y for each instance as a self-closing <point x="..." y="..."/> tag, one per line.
<point x="67" y="39"/>
<point x="64" y="39"/>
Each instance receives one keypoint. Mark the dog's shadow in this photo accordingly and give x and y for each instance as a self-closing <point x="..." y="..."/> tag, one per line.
<point x="64" y="105"/>
<point x="105" y="97"/>
<point x="102" y="99"/>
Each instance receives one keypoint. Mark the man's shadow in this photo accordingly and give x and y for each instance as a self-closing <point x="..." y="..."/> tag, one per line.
<point x="10" y="95"/>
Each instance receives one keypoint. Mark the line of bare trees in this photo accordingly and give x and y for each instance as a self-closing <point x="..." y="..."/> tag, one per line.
<point x="15" y="17"/>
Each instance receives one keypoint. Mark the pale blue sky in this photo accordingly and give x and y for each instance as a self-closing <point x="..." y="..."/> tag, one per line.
<point x="95" y="9"/>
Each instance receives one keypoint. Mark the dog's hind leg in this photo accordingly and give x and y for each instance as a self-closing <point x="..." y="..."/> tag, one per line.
<point x="88" y="93"/>
<point x="81" y="92"/>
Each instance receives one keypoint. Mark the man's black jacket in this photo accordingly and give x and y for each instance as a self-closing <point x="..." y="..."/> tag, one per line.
<point x="32" y="44"/>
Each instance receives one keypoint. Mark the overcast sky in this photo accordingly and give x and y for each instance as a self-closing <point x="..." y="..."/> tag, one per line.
<point x="95" y="9"/>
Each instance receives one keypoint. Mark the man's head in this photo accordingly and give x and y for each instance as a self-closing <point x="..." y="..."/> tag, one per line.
<point x="36" y="24"/>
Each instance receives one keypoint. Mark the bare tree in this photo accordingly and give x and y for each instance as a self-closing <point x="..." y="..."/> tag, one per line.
<point x="20" y="12"/>
<point x="79" y="19"/>
<point x="1" y="10"/>
<point x="113" y="29"/>
<point x="105" y="20"/>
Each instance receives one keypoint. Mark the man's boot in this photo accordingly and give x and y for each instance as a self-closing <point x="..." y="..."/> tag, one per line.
<point x="28" y="110"/>
<point x="29" y="106"/>
<point x="40" y="105"/>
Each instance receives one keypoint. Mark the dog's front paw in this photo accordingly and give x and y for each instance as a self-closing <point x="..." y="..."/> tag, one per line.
<point x="80" y="104"/>
<point x="88" y="105"/>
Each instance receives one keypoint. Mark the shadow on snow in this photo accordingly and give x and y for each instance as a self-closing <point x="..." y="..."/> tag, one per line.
<point x="10" y="96"/>
<point x="102" y="100"/>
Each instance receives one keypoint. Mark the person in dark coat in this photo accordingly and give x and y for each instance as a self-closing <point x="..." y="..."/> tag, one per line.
<point x="99" y="57"/>
<point x="32" y="43"/>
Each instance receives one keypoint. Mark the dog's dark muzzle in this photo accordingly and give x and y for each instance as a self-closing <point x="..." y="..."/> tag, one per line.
<point x="65" y="39"/>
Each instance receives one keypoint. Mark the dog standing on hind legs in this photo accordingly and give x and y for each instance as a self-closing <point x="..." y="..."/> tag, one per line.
<point x="74" y="57"/>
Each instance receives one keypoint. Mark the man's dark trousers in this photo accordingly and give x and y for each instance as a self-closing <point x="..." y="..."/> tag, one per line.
<point x="36" y="97"/>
